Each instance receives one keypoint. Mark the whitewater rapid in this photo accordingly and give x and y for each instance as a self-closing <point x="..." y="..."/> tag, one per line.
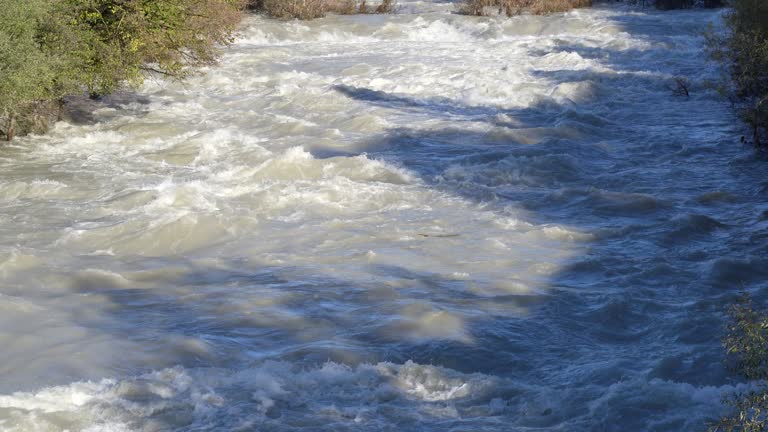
<point x="412" y="222"/>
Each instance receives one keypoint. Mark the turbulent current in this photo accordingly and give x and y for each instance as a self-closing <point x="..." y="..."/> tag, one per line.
<point x="414" y="222"/>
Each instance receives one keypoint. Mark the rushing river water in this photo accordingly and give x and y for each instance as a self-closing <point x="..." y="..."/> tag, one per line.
<point x="418" y="222"/>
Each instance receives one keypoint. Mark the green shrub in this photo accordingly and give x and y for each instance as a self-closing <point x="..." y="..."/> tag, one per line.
<point x="747" y="346"/>
<point x="126" y="38"/>
<point x="743" y="49"/>
<point x="31" y="69"/>
<point x="52" y="48"/>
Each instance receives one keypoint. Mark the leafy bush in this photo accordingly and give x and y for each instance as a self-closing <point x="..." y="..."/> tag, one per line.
<point x="51" y="48"/>
<point x="516" y="7"/>
<point x="743" y="49"/>
<point x="747" y="345"/>
<point x="30" y="71"/>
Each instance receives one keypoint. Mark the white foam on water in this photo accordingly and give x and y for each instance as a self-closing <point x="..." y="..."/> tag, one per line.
<point x="281" y="396"/>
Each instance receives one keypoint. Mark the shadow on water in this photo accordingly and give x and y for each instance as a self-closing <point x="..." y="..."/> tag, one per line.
<point x="658" y="186"/>
<point x="231" y="316"/>
<point x="246" y="314"/>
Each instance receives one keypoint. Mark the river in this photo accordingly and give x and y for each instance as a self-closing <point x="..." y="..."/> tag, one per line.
<point x="411" y="222"/>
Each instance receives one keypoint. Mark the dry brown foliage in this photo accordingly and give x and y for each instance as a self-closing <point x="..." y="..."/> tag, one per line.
<point x="310" y="9"/>
<point x="516" y="7"/>
<point x="287" y="9"/>
<point x="681" y="87"/>
<point x="341" y="7"/>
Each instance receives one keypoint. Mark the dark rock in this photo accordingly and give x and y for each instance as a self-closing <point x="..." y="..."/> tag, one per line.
<point x="674" y="4"/>
<point x="713" y="3"/>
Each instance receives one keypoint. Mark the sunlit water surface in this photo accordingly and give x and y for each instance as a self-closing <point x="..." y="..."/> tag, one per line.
<point x="418" y="222"/>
